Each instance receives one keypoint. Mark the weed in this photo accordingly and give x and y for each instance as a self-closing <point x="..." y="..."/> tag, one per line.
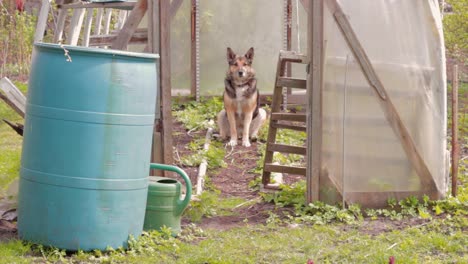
<point x="196" y="115"/>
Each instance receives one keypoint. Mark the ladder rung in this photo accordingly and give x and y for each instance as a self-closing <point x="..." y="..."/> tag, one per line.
<point x="292" y="56"/>
<point x="286" y="148"/>
<point x="284" y="169"/>
<point x="285" y="126"/>
<point x="288" y="117"/>
<point x="291" y="82"/>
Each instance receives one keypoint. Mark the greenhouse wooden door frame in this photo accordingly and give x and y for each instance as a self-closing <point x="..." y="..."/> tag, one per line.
<point x="314" y="100"/>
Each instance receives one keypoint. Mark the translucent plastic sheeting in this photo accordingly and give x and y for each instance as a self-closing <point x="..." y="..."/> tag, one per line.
<point x="236" y="24"/>
<point x="361" y="153"/>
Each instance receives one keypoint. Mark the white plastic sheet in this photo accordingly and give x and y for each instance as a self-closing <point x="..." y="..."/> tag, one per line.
<point x="361" y="153"/>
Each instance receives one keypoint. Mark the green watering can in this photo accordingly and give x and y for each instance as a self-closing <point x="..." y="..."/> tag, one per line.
<point x="164" y="206"/>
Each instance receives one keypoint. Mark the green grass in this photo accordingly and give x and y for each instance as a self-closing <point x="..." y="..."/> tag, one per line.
<point x="440" y="241"/>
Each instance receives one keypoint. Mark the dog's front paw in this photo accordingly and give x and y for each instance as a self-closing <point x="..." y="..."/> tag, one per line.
<point x="232" y="142"/>
<point x="246" y="143"/>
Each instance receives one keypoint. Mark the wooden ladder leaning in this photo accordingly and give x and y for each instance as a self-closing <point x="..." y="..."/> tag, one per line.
<point x="282" y="120"/>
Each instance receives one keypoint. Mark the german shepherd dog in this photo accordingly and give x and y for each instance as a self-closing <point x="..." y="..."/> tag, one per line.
<point x="241" y="113"/>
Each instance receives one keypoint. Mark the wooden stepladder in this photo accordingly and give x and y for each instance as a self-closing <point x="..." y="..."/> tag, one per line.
<point x="283" y="120"/>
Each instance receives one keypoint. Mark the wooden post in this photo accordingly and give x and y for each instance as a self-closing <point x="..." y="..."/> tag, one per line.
<point x="58" y="33"/>
<point x="314" y="99"/>
<point x="193" y="50"/>
<point x="288" y="48"/>
<point x="427" y="181"/>
<point x="153" y="47"/>
<point x="455" y="145"/>
<point x="75" y="26"/>
<point x="42" y="21"/>
<point x="165" y="53"/>
<point x="87" y="27"/>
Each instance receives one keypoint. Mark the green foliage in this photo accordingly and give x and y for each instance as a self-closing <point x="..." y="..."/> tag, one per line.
<point x="16" y="41"/>
<point x="290" y="195"/>
<point x="214" y="155"/>
<point x="456" y="30"/>
<point x="197" y="115"/>
<point x="210" y="204"/>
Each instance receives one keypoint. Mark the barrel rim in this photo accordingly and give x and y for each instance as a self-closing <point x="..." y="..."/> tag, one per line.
<point x="97" y="50"/>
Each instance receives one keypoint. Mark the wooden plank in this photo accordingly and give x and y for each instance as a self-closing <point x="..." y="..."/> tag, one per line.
<point x="116" y="5"/>
<point x="153" y="47"/>
<point x="455" y="144"/>
<point x="98" y="24"/>
<point x="107" y="40"/>
<point x="175" y="5"/>
<point x="305" y="4"/>
<point x="42" y="21"/>
<point x="130" y="25"/>
<point x="165" y="53"/>
<point x="58" y="33"/>
<point x="427" y="181"/>
<point x="293" y="56"/>
<point x="285" y="169"/>
<point x="12" y="96"/>
<point x="122" y="17"/>
<point x="288" y="126"/>
<point x="314" y="99"/>
<point x="286" y="149"/>
<point x="291" y="82"/>
<point x="87" y="27"/>
<point x="107" y="19"/>
<point x="289" y="117"/>
<point x="75" y="26"/>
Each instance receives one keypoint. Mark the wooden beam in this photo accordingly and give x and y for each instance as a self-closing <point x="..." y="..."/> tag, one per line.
<point x="87" y="27"/>
<point x="175" y="5"/>
<point x="305" y="4"/>
<point x="98" y="24"/>
<point x="286" y="149"/>
<point x="42" y="21"/>
<point x="12" y="96"/>
<point x="391" y="114"/>
<point x="165" y="53"/>
<point x="58" y="32"/>
<point x="288" y="126"/>
<point x="75" y="26"/>
<point x="153" y="47"/>
<point x="291" y="82"/>
<point x="106" y="40"/>
<point x="130" y="25"/>
<point x="289" y="117"/>
<point x="107" y="20"/>
<point x="285" y="169"/>
<point x="314" y="99"/>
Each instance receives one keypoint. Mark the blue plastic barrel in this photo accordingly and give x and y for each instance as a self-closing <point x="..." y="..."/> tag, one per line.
<point x="86" y="149"/>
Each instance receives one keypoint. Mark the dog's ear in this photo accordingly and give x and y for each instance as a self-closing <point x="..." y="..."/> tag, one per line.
<point x="249" y="55"/>
<point x="231" y="56"/>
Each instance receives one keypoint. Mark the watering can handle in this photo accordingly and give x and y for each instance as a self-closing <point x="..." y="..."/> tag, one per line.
<point x="181" y="203"/>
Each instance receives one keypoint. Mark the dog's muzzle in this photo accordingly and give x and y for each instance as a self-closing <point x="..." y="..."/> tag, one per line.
<point x="241" y="74"/>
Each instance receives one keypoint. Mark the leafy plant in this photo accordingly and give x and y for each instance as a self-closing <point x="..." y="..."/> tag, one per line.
<point x="197" y="115"/>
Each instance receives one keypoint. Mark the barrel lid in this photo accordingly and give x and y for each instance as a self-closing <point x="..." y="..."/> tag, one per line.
<point x="97" y="50"/>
